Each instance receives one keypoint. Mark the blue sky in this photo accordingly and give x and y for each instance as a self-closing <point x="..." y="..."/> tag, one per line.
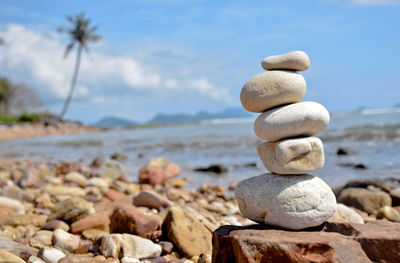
<point x="184" y="56"/>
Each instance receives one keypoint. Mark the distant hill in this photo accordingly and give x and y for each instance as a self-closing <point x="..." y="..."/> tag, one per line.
<point x="202" y="115"/>
<point x="109" y="122"/>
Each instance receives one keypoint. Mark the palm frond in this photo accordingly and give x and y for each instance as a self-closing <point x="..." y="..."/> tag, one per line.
<point x="68" y="49"/>
<point x="94" y="38"/>
<point x="71" y="19"/>
<point x="80" y="31"/>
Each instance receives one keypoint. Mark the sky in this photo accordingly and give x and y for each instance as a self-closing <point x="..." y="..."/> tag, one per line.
<point x="183" y="56"/>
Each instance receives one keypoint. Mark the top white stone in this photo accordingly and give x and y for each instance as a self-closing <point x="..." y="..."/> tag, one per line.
<point x="296" y="60"/>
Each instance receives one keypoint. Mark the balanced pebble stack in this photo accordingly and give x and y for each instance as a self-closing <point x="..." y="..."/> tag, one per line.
<point x="288" y="197"/>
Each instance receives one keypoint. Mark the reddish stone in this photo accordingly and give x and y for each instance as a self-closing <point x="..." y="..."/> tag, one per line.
<point x="98" y="220"/>
<point x="114" y="195"/>
<point x="258" y="244"/>
<point x="379" y="239"/>
<point x="157" y="171"/>
<point x="67" y="167"/>
<point x="151" y="199"/>
<point x="128" y="219"/>
<point x="125" y="179"/>
<point x="84" y="247"/>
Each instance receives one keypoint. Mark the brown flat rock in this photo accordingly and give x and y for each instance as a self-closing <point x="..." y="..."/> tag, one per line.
<point x="379" y="239"/>
<point x="334" y="242"/>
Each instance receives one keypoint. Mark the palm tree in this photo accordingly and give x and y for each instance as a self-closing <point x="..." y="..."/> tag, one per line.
<point x="80" y="33"/>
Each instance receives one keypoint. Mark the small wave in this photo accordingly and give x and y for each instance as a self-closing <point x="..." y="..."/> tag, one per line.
<point x="80" y="144"/>
<point x="228" y="121"/>
<point x="364" y="133"/>
<point x="380" y="111"/>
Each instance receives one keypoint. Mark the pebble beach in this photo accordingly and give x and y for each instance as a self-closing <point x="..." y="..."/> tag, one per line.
<point x="68" y="212"/>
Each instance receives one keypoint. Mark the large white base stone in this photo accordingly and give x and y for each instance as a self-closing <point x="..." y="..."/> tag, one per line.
<point x="293" y="202"/>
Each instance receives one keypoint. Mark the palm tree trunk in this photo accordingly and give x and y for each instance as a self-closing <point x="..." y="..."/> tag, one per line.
<point x="73" y="82"/>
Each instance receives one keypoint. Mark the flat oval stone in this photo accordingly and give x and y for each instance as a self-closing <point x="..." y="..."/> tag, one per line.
<point x="272" y="88"/>
<point x="293" y="202"/>
<point x="292" y="156"/>
<point x="296" y="60"/>
<point x="299" y="119"/>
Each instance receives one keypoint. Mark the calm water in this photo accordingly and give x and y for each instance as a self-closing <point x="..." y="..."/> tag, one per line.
<point x="372" y="137"/>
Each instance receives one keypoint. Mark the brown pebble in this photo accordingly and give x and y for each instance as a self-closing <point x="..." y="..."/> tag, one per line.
<point x="166" y="247"/>
<point x="54" y="224"/>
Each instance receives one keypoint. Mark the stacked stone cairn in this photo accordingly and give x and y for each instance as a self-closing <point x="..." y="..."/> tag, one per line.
<point x="288" y="197"/>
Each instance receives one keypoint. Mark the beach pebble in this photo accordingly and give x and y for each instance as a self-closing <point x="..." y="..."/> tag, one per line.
<point x="65" y="240"/>
<point x="50" y="255"/>
<point x="112" y="169"/>
<point x="34" y="259"/>
<point x="129" y="219"/>
<point x="157" y="171"/>
<point x="17" y="248"/>
<point x="293" y="202"/>
<point x="272" y="88"/>
<point x="114" y="195"/>
<point x="345" y="214"/>
<point x="175" y="194"/>
<point x="15" y="192"/>
<point x="71" y="209"/>
<point x="292" y="156"/>
<point x="389" y="213"/>
<point x="295" y="60"/>
<point x="79" y="259"/>
<point x="129" y="260"/>
<point x="100" y="221"/>
<point x="101" y="183"/>
<point x="12" y="204"/>
<point x="298" y="119"/>
<point x="189" y="236"/>
<point x="54" y="224"/>
<point x="60" y="190"/>
<point x="24" y="220"/>
<point x="126" y="245"/>
<point x="76" y="177"/>
<point x="151" y="199"/>
<point x="94" y="234"/>
<point x="6" y="257"/>
<point x="41" y="238"/>
<point x="166" y="247"/>
<point x="365" y="200"/>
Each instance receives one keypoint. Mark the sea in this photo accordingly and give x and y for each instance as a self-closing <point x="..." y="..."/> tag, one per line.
<point x="371" y="138"/>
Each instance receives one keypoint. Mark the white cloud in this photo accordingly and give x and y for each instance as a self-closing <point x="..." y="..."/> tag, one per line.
<point x="203" y="86"/>
<point x="36" y="58"/>
<point x="375" y="2"/>
<point x="171" y="83"/>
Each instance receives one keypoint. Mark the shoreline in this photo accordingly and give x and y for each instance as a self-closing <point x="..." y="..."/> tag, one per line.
<point x="28" y="130"/>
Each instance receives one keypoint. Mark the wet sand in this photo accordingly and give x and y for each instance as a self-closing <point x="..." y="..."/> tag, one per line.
<point x="21" y="131"/>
